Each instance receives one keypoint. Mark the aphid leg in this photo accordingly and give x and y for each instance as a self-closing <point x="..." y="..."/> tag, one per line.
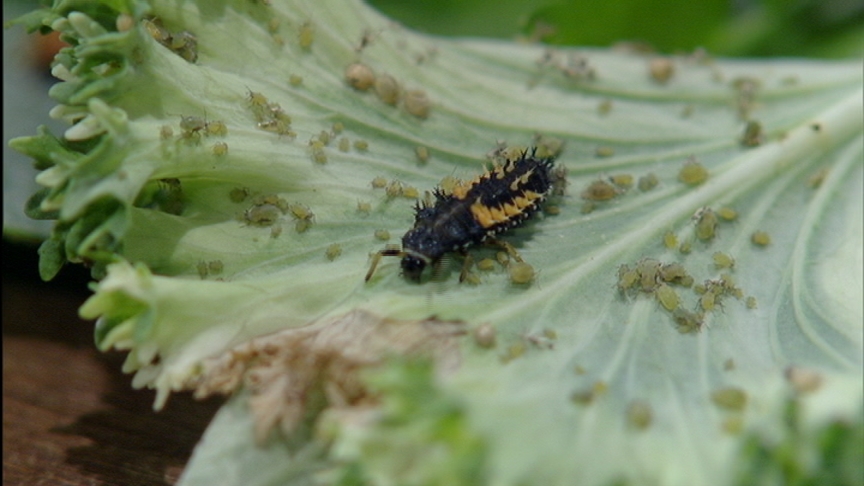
<point x="377" y="258"/>
<point x="508" y="248"/>
<point x="466" y="265"/>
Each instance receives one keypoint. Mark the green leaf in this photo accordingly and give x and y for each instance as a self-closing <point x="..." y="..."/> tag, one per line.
<point x="234" y="235"/>
<point x="38" y="19"/>
<point x="51" y="257"/>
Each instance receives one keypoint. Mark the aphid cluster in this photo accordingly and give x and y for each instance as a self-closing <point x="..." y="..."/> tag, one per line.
<point x="473" y="212"/>
<point x="394" y="188"/>
<point x="267" y="210"/>
<point x="573" y="66"/>
<point x="192" y="127"/>
<point x="213" y="267"/>
<point x="654" y="277"/>
<point x="361" y="77"/>
<point x="182" y="43"/>
<point x="269" y="115"/>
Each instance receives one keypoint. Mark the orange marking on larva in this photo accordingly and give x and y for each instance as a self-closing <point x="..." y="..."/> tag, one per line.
<point x="521" y="180"/>
<point x="460" y="190"/>
<point x="511" y="210"/>
<point x="482" y="214"/>
<point x="498" y="215"/>
<point x="522" y="202"/>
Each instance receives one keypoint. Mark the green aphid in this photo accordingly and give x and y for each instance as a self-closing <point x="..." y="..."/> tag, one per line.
<point x="693" y="173"/>
<point x="708" y="301"/>
<point x="220" y="148"/>
<point x="599" y="191"/>
<point x="727" y="214"/>
<point x="623" y="181"/>
<point x="730" y="398"/>
<point x="667" y="297"/>
<point x="548" y="146"/>
<point x="670" y="240"/>
<point x="275" y="231"/>
<point x="300" y="211"/>
<point x="647" y="182"/>
<point x="306" y="35"/>
<point x="333" y="251"/>
<point x="706" y="224"/>
<point x="761" y="238"/>
<point x="753" y="135"/>
<point x="318" y="155"/>
<point x="648" y="269"/>
<point x="674" y="273"/>
<point x="521" y="273"/>
<point x="604" y="107"/>
<point x="202" y="269"/>
<point x="215" y="266"/>
<point x="486" y="264"/>
<point x="239" y="194"/>
<point x="604" y="151"/>
<point x="471" y="278"/>
<point x="394" y="188"/>
<point x="627" y="277"/>
<point x="262" y="214"/>
<point x="723" y="260"/>
<point x="639" y="414"/>
<point x="422" y="153"/>
<point x="301" y="225"/>
<point x="344" y="144"/>
<point x="687" y="321"/>
<point x="217" y="128"/>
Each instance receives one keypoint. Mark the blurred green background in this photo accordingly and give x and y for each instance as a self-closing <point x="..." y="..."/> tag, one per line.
<point x="809" y="28"/>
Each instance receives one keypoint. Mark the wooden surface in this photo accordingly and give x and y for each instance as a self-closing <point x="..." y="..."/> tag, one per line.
<point x="70" y="417"/>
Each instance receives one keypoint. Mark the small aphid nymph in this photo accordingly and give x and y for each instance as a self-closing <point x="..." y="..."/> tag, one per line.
<point x="473" y="212"/>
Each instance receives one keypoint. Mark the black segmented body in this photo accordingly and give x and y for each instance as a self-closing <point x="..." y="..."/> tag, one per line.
<point x="495" y="201"/>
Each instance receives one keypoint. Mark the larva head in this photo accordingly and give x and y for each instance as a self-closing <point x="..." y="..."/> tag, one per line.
<point x="412" y="267"/>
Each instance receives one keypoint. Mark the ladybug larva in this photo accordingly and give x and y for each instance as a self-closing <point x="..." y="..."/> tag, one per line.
<point x="474" y="211"/>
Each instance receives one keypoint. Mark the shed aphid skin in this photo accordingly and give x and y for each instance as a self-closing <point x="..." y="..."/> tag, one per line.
<point x="473" y="212"/>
